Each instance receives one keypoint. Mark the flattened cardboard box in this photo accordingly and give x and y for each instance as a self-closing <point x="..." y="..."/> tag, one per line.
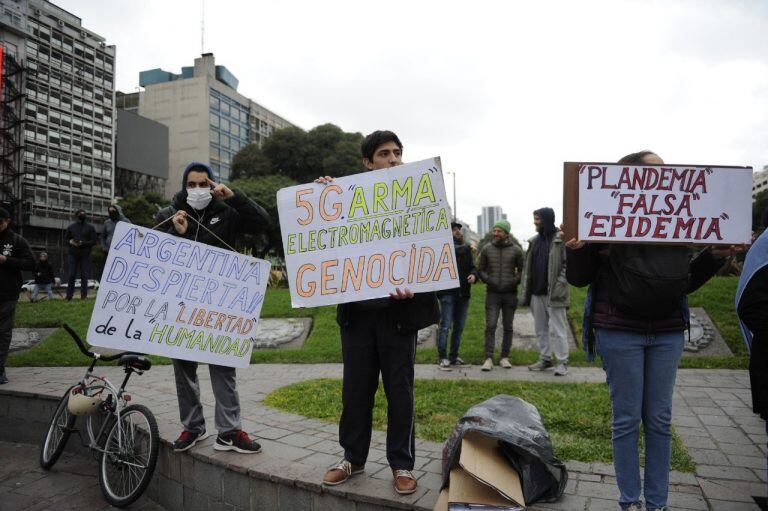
<point x="482" y="477"/>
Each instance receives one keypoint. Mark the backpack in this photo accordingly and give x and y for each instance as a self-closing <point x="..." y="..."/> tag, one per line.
<point x="648" y="281"/>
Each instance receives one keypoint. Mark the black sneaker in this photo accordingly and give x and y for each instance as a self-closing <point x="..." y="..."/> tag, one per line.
<point x="188" y="439"/>
<point x="458" y="362"/>
<point x="3" y="379"/>
<point x="237" y="441"/>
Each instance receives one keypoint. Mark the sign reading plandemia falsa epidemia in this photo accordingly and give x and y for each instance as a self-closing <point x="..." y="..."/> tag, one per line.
<point x="658" y="204"/>
<point x="360" y="237"/>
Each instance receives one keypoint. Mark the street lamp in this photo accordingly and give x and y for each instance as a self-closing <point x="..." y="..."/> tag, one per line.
<point x="455" y="216"/>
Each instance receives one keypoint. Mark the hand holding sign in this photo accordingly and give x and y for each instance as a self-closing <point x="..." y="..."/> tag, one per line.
<point x="180" y="223"/>
<point x="401" y="295"/>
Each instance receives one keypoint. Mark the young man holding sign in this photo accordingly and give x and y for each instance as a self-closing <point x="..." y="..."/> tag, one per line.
<point x="211" y="213"/>
<point x="374" y="340"/>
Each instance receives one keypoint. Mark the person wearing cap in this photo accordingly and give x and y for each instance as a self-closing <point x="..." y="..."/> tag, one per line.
<point x="211" y="213"/>
<point x="81" y="237"/>
<point x="454" y="303"/>
<point x="43" y="277"/>
<point x="545" y="288"/>
<point x="15" y="256"/>
<point x="501" y="262"/>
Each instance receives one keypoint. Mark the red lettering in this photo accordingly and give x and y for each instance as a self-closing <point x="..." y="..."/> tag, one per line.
<point x="598" y="222"/>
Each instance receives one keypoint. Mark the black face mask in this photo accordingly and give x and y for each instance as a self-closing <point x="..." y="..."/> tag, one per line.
<point x="113" y="215"/>
<point x="81" y="218"/>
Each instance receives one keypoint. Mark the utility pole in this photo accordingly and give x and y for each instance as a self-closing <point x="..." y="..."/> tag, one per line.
<point x="453" y="174"/>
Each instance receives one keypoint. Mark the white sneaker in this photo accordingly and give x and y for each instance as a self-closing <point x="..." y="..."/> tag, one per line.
<point x="444" y="364"/>
<point x="487" y="365"/>
<point x="561" y="369"/>
<point x="504" y="362"/>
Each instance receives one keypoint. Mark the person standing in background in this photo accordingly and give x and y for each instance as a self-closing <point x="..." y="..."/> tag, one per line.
<point x="81" y="237"/>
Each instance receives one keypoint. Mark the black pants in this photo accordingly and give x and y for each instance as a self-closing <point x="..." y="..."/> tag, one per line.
<point x="7" y="315"/>
<point x="370" y="344"/>
<point x="495" y="303"/>
<point x="79" y="264"/>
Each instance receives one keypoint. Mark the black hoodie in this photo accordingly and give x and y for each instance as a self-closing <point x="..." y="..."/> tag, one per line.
<point x="540" y="260"/>
<point x="18" y="257"/>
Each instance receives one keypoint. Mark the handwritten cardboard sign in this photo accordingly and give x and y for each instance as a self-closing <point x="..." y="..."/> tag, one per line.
<point x="169" y="296"/>
<point x="658" y="204"/>
<point x="362" y="236"/>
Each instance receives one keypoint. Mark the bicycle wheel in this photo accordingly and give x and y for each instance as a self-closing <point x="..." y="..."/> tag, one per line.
<point x="56" y="437"/>
<point x="129" y="457"/>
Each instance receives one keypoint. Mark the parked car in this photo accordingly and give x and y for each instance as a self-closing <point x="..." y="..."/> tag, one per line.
<point x="29" y="285"/>
<point x="92" y="284"/>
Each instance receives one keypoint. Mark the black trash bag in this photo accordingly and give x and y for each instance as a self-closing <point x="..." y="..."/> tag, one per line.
<point x="523" y="440"/>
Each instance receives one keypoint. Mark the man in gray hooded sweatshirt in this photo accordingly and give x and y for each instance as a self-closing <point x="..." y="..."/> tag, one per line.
<point x="545" y="289"/>
<point x="115" y="213"/>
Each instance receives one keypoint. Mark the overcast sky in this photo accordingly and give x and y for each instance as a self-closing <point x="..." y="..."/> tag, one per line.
<point x="503" y="91"/>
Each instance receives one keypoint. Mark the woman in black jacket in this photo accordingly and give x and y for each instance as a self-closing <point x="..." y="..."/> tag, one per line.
<point x="640" y="345"/>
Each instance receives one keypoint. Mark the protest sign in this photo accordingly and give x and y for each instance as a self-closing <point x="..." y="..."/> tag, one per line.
<point x="657" y="204"/>
<point x="362" y="236"/>
<point x="170" y="296"/>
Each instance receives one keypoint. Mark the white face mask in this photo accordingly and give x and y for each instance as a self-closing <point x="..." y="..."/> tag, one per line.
<point x="199" y="198"/>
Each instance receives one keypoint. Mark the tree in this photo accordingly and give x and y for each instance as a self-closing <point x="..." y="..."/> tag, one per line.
<point x="140" y="208"/>
<point x="287" y="150"/>
<point x="263" y="190"/>
<point x="250" y="161"/>
<point x="759" y="205"/>
<point x="345" y="158"/>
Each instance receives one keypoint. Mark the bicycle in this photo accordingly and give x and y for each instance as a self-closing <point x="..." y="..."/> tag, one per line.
<point x="124" y="437"/>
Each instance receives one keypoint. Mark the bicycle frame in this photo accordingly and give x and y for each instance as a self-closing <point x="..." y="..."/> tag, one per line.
<point x="89" y="383"/>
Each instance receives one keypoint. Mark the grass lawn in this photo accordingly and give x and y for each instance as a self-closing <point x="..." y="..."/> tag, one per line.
<point x="323" y="343"/>
<point x="577" y="416"/>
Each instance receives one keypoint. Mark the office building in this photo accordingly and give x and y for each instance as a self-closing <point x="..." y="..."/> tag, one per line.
<point x="141" y="151"/>
<point x="489" y="216"/>
<point x="207" y="119"/>
<point x="759" y="182"/>
<point x="63" y="120"/>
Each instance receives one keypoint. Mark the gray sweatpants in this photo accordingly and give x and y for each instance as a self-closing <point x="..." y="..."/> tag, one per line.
<point x="550" y="324"/>
<point x="224" y="383"/>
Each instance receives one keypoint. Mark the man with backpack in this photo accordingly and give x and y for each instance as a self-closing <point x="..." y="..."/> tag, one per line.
<point x="636" y="313"/>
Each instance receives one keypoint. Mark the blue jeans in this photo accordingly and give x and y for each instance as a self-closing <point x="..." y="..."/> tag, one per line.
<point x="78" y="264"/>
<point x="453" y="310"/>
<point x="640" y="371"/>
<point x="44" y="287"/>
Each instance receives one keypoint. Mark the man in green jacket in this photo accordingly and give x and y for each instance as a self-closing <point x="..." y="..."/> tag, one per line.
<point x="501" y="263"/>
<point x="545" y="288"/>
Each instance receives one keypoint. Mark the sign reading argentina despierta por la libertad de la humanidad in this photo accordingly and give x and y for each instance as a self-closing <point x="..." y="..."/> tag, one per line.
<point x="170" y="296"/>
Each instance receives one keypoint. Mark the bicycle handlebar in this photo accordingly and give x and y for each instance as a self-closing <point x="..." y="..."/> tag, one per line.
<point x="85" y="350"/>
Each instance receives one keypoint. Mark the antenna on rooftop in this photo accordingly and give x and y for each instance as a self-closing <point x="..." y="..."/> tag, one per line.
<point x="202" y="29"/>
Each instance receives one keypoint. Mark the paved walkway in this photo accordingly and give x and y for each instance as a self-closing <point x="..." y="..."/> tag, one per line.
<point x="712" y="414"/>
<point x="74" y="484"/>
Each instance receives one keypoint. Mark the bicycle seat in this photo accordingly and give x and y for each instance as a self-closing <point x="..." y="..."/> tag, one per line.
<point x="138" y="362"/>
